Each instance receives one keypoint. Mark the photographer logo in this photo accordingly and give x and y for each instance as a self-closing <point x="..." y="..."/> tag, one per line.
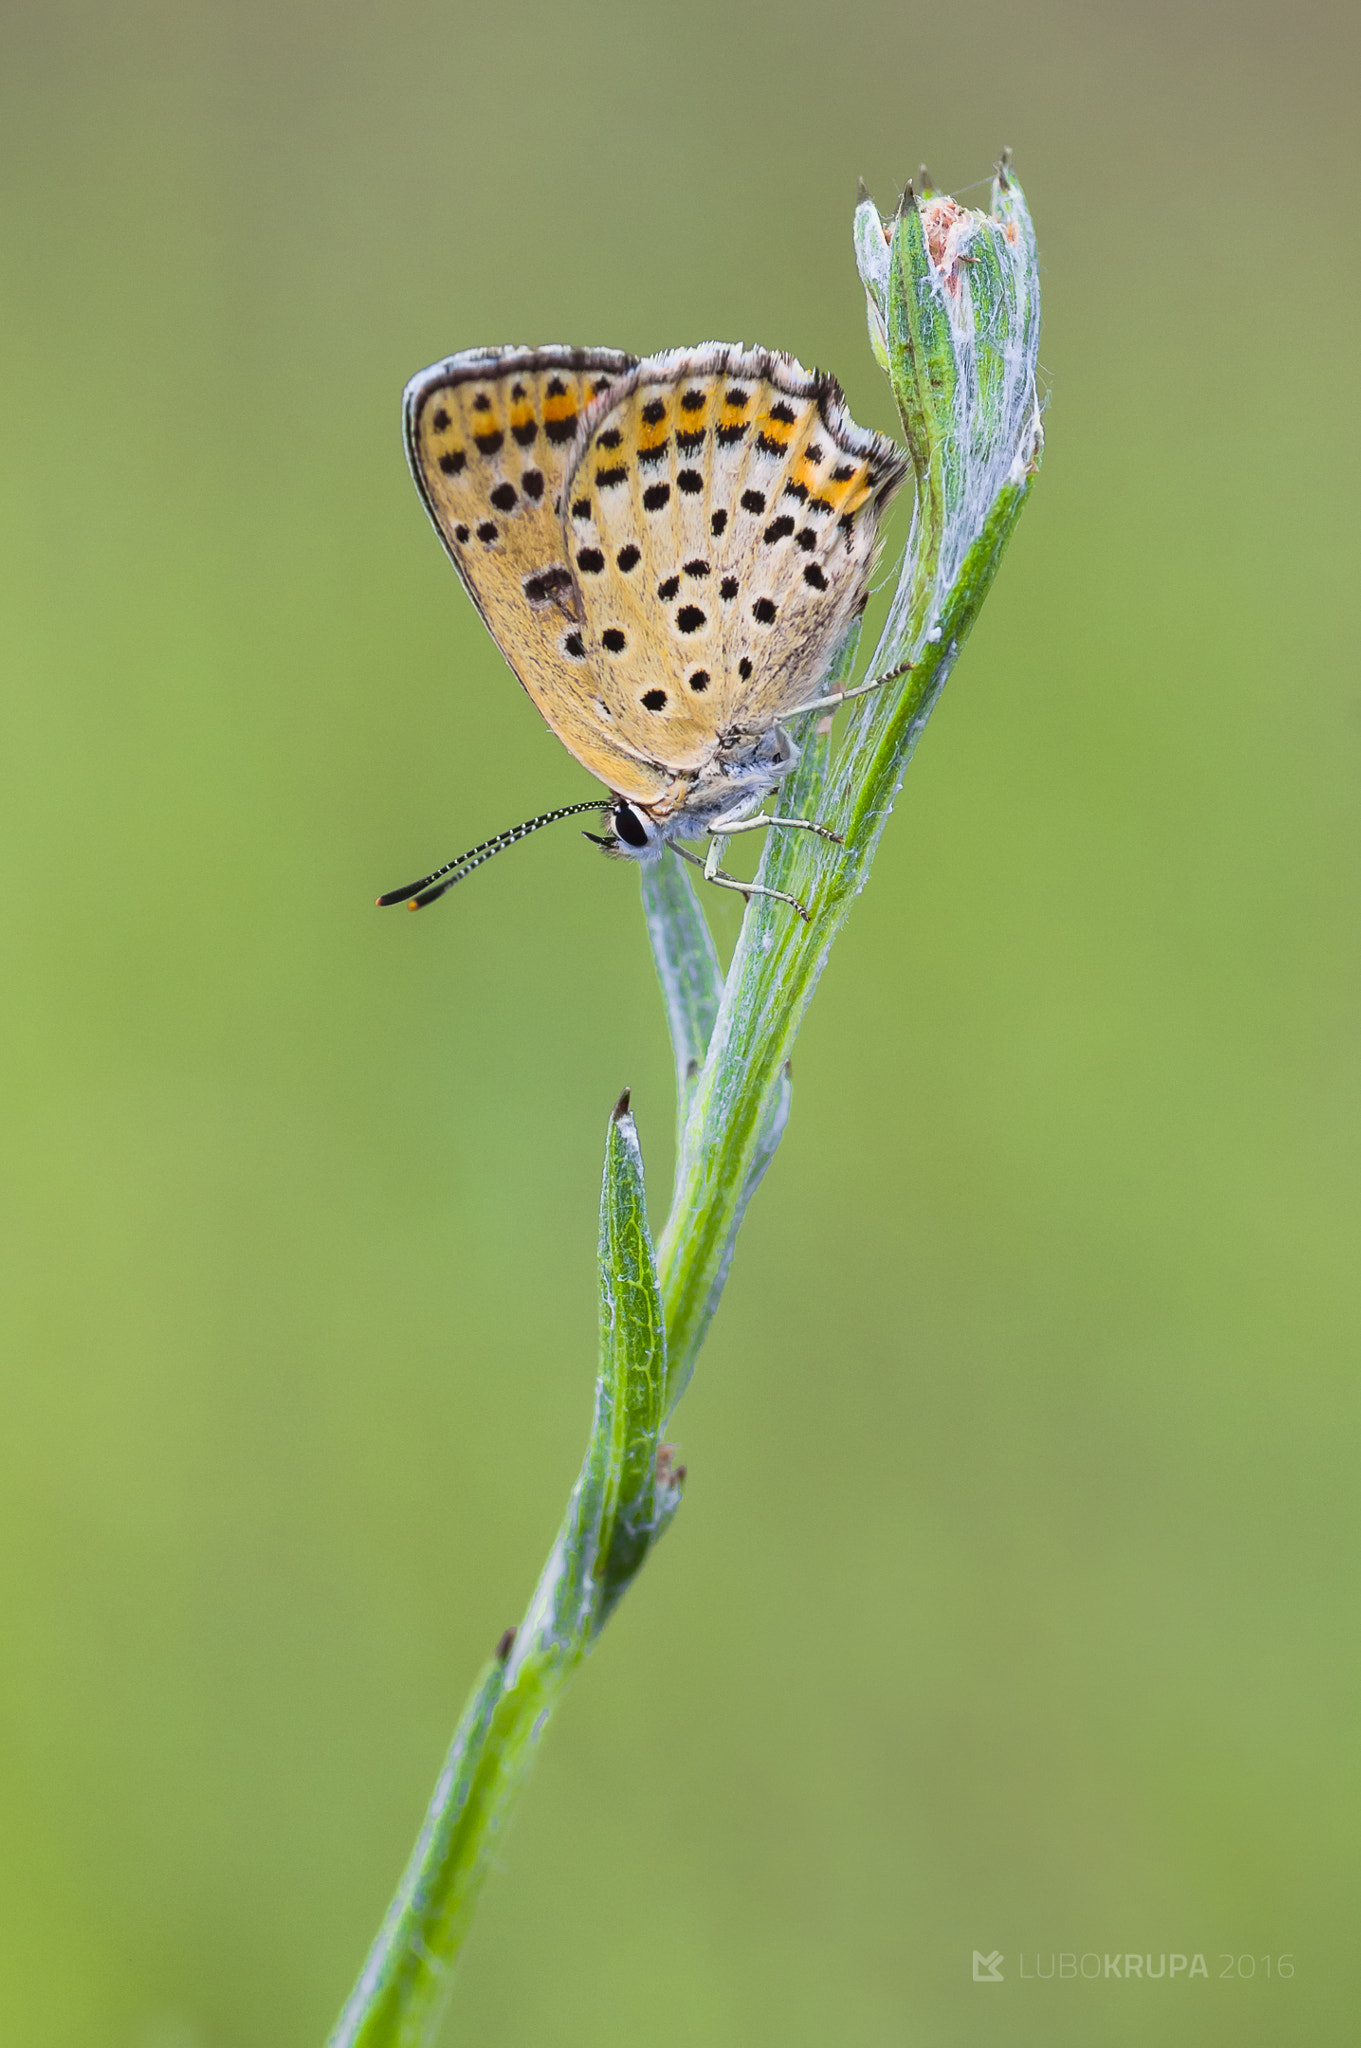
<point x="1131" y="1968"/>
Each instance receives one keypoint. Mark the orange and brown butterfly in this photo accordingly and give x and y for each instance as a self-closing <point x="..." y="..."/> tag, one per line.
<point x="667" y="551"/>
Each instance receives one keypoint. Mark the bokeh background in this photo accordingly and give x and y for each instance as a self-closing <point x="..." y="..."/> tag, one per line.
<point x="1013" y="1601"/>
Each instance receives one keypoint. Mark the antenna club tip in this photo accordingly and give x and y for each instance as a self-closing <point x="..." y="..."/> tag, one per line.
<point x="413" y="904"/>
<point x="621" y="1108"/>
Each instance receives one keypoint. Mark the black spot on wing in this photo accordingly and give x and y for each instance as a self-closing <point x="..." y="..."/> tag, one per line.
<point x="550" y="585"/>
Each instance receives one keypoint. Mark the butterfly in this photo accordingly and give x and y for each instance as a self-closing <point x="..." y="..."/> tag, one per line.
<point x="667" y="550"/>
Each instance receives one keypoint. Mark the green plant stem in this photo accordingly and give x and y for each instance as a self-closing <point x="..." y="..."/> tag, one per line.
<point x="623" y="1499"/>
<point x="960" y="352"/>
<point x="779" y="958"/>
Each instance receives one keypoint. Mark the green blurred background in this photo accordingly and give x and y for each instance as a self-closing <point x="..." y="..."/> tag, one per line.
<point x="1013" y="1601"/>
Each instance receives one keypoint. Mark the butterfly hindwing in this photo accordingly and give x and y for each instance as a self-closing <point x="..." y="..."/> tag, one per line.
<point x="720" y="516"/>
<point x="491" y="434"/>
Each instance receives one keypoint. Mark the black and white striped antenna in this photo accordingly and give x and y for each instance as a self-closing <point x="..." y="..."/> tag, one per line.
<point x="417" y="894"/>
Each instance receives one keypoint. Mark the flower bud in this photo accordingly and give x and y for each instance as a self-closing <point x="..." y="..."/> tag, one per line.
<point x="953" y="305"/>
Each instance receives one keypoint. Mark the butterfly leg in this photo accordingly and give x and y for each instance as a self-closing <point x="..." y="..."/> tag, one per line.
<point x="835" y="697"/>
<point x="795" y="824"/>
<point x="714" y="873"/>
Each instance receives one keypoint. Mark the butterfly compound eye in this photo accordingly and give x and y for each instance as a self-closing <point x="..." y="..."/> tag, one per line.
<point x="629" y="826"/>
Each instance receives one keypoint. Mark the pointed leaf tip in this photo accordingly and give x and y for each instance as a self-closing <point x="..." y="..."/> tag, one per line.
<point x="862" y="191"/>
<point x="621" y="1108"/>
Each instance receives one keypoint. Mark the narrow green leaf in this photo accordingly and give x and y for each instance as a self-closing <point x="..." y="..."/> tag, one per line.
<point x="922" y="367"/>
<point x="871" y="258"/>
<point x="801" y="797"/>
<point x="402" y="1985"/>
<point x="624" y="1497"/>
<point x="687" y="968"/>
<point x="631" y="1384"/>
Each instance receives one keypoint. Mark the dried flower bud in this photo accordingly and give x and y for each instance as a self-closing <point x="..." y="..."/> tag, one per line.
<point x="952" y="300"/>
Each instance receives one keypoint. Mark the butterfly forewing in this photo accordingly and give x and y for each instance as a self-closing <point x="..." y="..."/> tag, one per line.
<point x="491" y="434"/>
<point x="721" y="516"/>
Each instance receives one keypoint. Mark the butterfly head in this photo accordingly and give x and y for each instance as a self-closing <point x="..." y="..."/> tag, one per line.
<point x="632" y="835"/>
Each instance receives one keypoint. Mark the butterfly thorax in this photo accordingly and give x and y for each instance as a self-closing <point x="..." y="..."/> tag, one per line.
<point x="744" y="768"/>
